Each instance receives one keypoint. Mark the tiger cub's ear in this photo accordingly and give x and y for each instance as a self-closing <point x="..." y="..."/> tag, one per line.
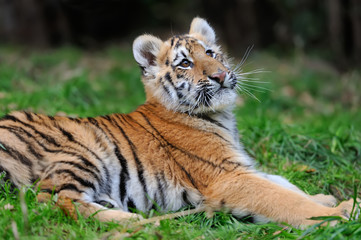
<point x="145" y="51"/>
<point x="200" y="26"/>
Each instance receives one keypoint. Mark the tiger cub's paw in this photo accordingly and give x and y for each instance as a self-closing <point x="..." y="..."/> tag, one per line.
<point x="349" y="209"/>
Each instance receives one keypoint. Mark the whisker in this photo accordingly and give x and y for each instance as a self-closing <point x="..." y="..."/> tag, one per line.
<point x="197" y="102"/>
<point x="253" y="86"/>
<point x="252" y="80"/>
<point x="249" y="93"/>
<point x="254" y="90"/>
<point x="245" y="56"/>
<point x="246" y="78"/>
<point x="260" y="70"/>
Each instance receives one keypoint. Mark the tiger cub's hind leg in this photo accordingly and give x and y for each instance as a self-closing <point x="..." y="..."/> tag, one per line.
<point x="74" y="198"/>
<point x="88" y="209"/>
<point x="104" y="214"/>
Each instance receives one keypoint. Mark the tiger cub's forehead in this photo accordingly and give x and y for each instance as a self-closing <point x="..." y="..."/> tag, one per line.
<point x="184" y="46"/>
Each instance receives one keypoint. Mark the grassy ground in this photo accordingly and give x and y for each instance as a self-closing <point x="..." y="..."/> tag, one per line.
<point x="306" y="128"/>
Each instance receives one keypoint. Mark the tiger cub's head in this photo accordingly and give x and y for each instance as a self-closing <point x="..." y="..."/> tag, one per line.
<point x="187" y="73"/>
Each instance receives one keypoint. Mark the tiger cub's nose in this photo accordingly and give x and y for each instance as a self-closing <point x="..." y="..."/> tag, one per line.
<point x="219" y="77"/>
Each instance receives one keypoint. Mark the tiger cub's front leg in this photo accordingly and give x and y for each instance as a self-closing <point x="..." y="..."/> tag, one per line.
<point x="326" y="200"/>
<point x="253" y="194"/>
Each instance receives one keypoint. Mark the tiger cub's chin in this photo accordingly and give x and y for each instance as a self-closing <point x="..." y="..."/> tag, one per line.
<point x="181" y="147"/>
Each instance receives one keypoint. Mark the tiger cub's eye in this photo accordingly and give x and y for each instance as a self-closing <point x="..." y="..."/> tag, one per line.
<point x="209" y="53"/>
<point x="185" y="63"/>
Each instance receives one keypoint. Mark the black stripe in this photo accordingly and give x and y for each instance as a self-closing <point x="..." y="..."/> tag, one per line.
<point x="172" y="42"/>
<point x="169" y="79"/>
<point x="166" y="89"/>
<point x="84" y="160"/>
<point x="36" y="154"/>
<point x="106" y="117"/>
<point x="161" y="189"/>
<point x="185" y="197"/>
<point x="18" y="129"/>
<point x="130" y="204"/>
<point x="188" y="175"/>
<point x="222" y="138"/>
<point x="68" y="186"/>
<point x="184" y="55"/>
<point x="93" y="121"/>
<point x="17" y="155"/>
<point x="180" y="76"/>
<point x="180" y="96"/>
<point x="77" y="120"/>
<point x="174" y="60"/>
<point x="80" y="180"/>
<point x="80" y="167"/>
<point x="104" y="129"/>
<point x="124" y="173"/>
<point x="67" y="134"/>
<point x="43" y="135"/>
<point x="150" y="104"/>
<point x="96" y="124"/>
<point x="8" y="117"/>
<point x="211" y="120"/>
<point x="123" y="119"/>
<point x="178" y="43"/>
<point x="105" y="203"/>
<point x="140" y="168"/>
<point x="29" y="116"/>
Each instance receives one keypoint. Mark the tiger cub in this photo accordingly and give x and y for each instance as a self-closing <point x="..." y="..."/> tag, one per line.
<point x="179" y="148"/>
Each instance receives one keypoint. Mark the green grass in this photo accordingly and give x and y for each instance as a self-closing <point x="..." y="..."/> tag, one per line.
<point x="306" y="128"/>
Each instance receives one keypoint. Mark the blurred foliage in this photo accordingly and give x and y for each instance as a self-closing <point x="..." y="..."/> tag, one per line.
<point x="329" y="28"/>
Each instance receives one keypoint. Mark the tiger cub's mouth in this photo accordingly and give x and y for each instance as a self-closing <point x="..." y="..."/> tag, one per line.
<point x="217" y="91"/>
<point x="223" y="80"/>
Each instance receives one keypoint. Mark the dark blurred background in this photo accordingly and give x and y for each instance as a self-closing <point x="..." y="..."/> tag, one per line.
<point x="329" y="28"/>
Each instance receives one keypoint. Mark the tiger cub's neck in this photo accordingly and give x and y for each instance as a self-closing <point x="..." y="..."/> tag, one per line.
<point x="225" y="120"/>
